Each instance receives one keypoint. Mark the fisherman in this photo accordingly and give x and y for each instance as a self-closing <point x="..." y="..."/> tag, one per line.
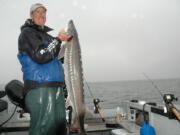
<point x="42" y="74"/>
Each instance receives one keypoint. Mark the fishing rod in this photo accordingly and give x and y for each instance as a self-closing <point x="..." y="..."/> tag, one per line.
<point x="89" y="88"/>
<point x="168" y="99"/>
<point x="155" y="86"/>
<point x="96" y="102"/>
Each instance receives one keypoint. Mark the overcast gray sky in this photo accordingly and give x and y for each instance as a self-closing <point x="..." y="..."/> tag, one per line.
<point x="120" y="39"/>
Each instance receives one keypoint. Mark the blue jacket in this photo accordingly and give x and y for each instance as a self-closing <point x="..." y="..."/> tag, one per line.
<point x="48" y="72"/>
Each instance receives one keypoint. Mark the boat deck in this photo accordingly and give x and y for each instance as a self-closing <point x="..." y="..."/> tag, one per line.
<point x="96" y="129"/>
<point x="129" y="126"/>
<point x="93" y="126"/>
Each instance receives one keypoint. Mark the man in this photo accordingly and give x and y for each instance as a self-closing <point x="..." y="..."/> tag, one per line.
<point x="42" y="74"/>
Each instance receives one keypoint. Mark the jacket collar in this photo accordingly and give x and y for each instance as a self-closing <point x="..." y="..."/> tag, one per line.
<point x="30" y="23"/>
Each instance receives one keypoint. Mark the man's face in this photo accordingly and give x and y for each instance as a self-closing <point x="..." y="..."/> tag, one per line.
<point x="39" y="16"/>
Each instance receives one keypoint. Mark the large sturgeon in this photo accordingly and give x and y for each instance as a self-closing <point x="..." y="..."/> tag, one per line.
<point x="74" y="76"/>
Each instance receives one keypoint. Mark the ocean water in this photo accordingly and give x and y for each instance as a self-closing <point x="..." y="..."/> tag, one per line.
<point x="113" y="93"/>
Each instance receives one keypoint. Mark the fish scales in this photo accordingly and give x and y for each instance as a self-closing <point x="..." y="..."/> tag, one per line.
<point x="74" y="75"/>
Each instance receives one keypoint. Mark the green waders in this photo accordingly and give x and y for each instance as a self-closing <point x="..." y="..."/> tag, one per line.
<point x="47" y="110"/>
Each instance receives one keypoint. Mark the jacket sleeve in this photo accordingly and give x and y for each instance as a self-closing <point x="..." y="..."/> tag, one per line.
<point x="40" y="52"/>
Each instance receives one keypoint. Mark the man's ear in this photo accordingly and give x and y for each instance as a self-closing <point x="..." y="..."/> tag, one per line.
<point x="31" y="16"/>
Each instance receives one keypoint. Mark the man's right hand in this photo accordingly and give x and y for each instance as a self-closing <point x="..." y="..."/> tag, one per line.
<point x="63" y="36"/>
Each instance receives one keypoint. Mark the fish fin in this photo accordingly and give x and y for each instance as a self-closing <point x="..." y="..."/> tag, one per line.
<point x="69" y="102"/>
<point x="88" y="113"/>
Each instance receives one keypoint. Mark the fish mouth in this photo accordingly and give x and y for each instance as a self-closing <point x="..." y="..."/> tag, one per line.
<point x="70" y="28"/>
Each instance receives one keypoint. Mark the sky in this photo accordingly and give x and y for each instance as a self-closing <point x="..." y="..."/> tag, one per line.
<point x="120" y="39"/>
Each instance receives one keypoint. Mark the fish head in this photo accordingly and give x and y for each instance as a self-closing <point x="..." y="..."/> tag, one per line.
<point x="70" y="29"/>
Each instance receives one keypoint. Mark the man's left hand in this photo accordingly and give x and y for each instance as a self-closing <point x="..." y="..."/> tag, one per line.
<point x="63" y="36"/>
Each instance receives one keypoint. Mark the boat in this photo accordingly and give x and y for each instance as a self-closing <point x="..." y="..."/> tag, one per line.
<point x="127" y="119"/>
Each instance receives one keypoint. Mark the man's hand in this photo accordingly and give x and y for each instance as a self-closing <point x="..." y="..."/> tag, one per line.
<point x="63" y="36"/>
